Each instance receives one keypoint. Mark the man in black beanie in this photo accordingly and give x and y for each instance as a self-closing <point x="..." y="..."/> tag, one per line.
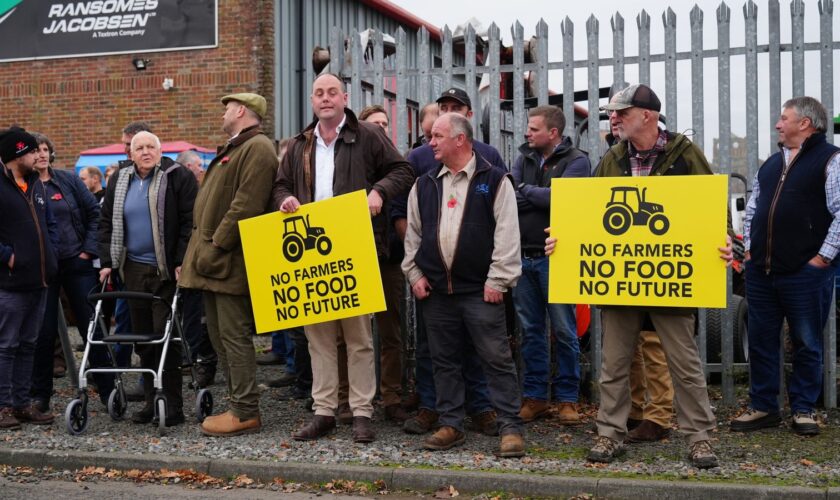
<point x="28" y="236"/>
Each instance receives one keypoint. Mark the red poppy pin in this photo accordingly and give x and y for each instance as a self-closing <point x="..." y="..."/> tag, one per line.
<point x="225" y="160"/>
<point x="56" y="197"/>
<point x="452" y="201"/>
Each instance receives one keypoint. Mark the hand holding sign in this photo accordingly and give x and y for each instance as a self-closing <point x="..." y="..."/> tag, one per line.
<point x="374" y="202"/>
<point x="621" y="248"/>
<point x="317" y="264"/>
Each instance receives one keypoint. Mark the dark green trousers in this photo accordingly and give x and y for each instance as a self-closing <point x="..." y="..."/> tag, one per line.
<point x="230" y="324"/>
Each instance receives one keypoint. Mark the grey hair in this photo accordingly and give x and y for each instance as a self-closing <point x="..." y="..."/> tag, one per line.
<point x="143" y="134"/>
<point x="458" y="124"/>
<point x="185" y="156"/>
<point x="810" y="108"/>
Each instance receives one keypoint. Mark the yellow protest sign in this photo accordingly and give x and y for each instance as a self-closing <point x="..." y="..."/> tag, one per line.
<point x="317" y="264"/>
<point x="639" y="241"/>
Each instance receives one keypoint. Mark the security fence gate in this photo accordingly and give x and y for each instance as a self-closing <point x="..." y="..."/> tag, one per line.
<point x="373" y="78"/>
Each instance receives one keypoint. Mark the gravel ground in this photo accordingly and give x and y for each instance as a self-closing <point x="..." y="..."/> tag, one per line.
<point x="770" y="457"/>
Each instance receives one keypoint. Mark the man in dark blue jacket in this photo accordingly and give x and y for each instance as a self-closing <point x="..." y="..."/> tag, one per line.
<point x="546" y="155"/>
<point x="423" y="161"/>
<point x="28" y="237"/>
<point x="792" y="238"/>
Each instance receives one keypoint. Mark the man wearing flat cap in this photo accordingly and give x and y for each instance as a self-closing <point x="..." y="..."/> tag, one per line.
<point x="236" y="186"/>
<point x="28" y="238"/>
<point x="644" y="149"/>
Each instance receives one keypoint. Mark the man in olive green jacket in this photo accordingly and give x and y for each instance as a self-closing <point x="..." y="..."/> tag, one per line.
<point x="237" y="186"/>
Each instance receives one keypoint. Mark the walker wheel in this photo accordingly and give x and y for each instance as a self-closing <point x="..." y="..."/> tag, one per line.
<point x="76" y="417"/>
<point x="116" y="405"/>
<point x="203" y="405"/>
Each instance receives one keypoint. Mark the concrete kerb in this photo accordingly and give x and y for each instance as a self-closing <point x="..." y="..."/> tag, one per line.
<point x="415" y="479"/>
<point x="684" y="490"/>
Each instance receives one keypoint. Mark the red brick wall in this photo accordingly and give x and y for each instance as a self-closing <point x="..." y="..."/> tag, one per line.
<point x="84" y="102"/>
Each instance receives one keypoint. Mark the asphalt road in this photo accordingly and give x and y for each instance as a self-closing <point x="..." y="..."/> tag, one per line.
<point x="125" y="490"/>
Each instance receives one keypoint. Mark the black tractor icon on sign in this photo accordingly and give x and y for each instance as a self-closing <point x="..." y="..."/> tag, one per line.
<point x="626" y="206"/>
<point x="298" y="236"/>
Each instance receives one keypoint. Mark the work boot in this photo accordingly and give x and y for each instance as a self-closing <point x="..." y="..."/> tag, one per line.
<point x="485" y="423"/>
<point x="445" y="438"/>
<point x="632" y="423"/>
<point x="8" y="420"/>
<point x="345" y="414"/>
<point x="269" y="358"/>
<point x="411" y="402"/>
<point x="395" y="413"/>
<point x="804" y="423"/>
<point x="284" y="380"/>
<point x="605" y="450"/>
<point x="135" y="392"/>
<point x="648" y="430"/>
<point x="363" y="430"/>
<point x="318" y="427"/>
<point x="32" y="415"/>
<point x="533" y="409"/>
<point x="512" y="445"/>
<point x="567" y="413"/>
<point x="702" y="456"/>
<point x="228" y="424"/>
<point x="424" y="422"/>
<point x="753" y="420"/>
<point x="145" y="415"/>
<point x="205" y="374"/>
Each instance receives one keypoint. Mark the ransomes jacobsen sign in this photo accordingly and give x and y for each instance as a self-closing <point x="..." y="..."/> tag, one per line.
<point x="41" y="29"/>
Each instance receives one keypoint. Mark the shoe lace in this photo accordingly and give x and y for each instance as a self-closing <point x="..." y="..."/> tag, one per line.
<point x="605" y="444"/>
<point x="701" y="448"/>
<point x="805" y="414"/>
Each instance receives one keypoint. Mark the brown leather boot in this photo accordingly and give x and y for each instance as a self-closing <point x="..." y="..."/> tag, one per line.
<point x="512" y="445"/>
<point x="228" y="424"/>
<point x="424" y="422"/>
<point x="648" y="430"/>
<point x="8" y="420"/>
<point x="345" y="414"/>
<point x="533" y="409"/>
<point x="567" y="413"/>
<point x="363" y="430"/>
<point x="445" y="438"/>
<point x="32" y="415"/>
<point x="485" y="423"/>
<point x="318" y="427"/>
<point x="395" y="413"/>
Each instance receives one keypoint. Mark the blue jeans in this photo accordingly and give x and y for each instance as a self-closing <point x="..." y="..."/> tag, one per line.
<point x="78" y="278"/>
<point x="477" y="398"/>
<point x="21" y="315"/>
<point x="122" y="324"/>
<point x="804" y="299"/>
<point x="283" y="346"/>
<point x="531" y="300"/>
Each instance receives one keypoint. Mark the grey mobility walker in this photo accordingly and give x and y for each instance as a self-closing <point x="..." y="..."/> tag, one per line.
<point x="76" y="414"/>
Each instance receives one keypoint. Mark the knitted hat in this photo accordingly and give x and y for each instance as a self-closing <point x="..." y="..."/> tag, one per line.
<point x="16" y="142"/>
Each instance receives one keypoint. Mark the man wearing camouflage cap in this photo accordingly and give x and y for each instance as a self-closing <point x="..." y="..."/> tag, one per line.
<point x="236" y="186"/>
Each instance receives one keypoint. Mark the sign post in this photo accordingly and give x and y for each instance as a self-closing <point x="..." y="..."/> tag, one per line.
<point x="648" y="241"/>
<point x="314" y="265"/>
